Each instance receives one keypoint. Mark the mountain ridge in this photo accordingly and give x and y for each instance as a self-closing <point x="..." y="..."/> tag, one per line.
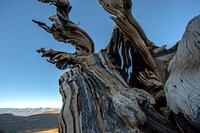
<point x="27" y="111"/>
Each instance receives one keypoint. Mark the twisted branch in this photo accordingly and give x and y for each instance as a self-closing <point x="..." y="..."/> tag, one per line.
<point x="64" y="30"/>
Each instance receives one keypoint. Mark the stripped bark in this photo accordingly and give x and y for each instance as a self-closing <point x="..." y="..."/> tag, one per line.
<point x="121" y="88"/>
<point x="183" y="85"/>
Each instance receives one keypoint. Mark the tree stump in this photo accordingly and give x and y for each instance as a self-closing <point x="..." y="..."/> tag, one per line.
<point x="132" y="85"/>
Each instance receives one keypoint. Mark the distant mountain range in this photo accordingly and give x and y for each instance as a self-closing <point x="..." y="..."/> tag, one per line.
<point x="10" y="123"/>
<point x="26" y="111"/>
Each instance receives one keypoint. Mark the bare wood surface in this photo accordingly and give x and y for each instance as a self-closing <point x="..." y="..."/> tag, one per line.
<point x="125" y="87"/>
<point x="183" y="85"/>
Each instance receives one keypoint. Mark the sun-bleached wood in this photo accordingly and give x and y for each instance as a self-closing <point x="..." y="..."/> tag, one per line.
<point x="126" y="86"/>
<point x="183" y="85"/>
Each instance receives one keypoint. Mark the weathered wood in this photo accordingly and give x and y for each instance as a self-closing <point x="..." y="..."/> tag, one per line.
<point x="98" y="105"/>
<point x="64" y="30"/>
<point x="183" y="85"/>
<point x="121" y="88"/>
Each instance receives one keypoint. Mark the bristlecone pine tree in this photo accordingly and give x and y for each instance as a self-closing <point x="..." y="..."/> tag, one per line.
<point x="132" y="85"/>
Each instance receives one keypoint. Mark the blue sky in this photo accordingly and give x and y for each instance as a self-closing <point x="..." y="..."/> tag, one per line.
<point x="27" y="80"/>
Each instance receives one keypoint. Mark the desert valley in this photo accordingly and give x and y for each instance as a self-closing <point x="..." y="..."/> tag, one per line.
<point x="29" y="120"/>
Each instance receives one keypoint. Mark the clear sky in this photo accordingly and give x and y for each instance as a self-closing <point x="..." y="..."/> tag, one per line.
<point x="27" y="80"/>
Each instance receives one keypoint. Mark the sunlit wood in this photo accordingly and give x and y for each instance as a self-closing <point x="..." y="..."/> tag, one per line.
<point x="130" y="86"/>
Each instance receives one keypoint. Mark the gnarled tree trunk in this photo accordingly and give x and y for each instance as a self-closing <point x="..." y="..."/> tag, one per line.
<point x="121" y="88"/>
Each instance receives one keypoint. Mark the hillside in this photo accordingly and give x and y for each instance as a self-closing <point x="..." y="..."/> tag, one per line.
<point x="10" y="123"/>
